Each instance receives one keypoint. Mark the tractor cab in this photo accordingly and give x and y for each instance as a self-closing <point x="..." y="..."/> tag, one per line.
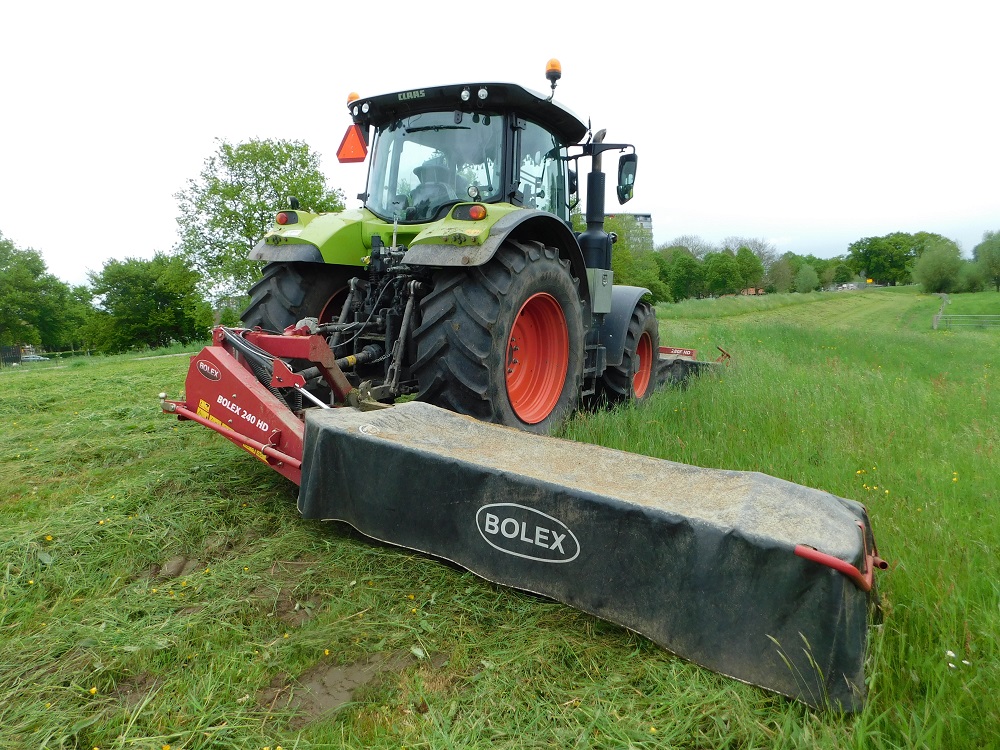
<point x="485" y="143"/>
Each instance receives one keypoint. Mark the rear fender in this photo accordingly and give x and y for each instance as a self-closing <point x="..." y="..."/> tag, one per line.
<point x="316" y="238"/>
<point x="614" y="327"/>
<point x="521" y="224"/>
<point x="286" y="253"/>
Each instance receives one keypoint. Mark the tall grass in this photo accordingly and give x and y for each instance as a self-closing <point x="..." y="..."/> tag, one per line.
<point x="973" y="304"/>
<point x="157" y="586"/>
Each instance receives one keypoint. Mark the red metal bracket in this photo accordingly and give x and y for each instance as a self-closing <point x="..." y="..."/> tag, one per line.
<point x="313" y="348"/>
<point x="285" y="378"/>
<point x="865" y="580"/>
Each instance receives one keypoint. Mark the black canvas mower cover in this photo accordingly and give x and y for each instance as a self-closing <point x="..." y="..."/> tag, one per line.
<point x="462" y="282"/>
<point x="751" y="576"/>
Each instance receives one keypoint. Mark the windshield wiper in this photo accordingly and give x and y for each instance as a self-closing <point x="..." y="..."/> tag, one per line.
<point x="435" y="127"/>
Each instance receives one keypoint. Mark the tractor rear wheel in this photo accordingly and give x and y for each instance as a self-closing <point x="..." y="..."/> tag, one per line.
<point x="635" y="377"/>
<point x="289" y="292"/>
<point x="504" y="342"/>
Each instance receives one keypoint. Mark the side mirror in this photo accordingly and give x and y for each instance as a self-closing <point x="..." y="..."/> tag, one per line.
<point x="626" y="177"/>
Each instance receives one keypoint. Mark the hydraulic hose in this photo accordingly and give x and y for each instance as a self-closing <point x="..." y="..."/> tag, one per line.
<point x="261" y="363"/>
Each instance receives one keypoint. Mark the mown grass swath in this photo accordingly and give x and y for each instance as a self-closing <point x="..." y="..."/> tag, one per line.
<point x="158" y="587"/>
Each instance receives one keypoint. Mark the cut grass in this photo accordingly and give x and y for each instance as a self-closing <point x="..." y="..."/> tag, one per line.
<point x="154" y="563"/>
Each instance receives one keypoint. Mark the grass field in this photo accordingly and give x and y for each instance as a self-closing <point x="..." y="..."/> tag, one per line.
<point x="159" y="589"/>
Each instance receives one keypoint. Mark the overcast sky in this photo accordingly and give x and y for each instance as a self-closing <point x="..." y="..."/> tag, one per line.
<point x="809" y="125"/>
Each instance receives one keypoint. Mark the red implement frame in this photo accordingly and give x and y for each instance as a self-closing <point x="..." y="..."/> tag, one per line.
<point x="692" y="354"/>
<point x="864" y="580"/>
<point x="222" y="393"/>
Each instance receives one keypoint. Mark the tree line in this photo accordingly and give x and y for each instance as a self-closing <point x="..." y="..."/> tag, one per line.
<point x="130" y="304"/>
<point x="177" y="295"/>
<point x="689" y="267"/>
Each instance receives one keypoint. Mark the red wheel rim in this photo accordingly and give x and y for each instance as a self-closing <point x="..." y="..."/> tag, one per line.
<point x="644" y="370"/>
<point x="332" y="307"/>
<point x="537" y="358"/>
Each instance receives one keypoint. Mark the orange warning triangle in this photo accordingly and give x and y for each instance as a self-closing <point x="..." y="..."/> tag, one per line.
<point x="353" y="148"/>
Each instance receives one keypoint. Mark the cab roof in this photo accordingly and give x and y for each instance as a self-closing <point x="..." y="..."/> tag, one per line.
<point x="500" y="98"/>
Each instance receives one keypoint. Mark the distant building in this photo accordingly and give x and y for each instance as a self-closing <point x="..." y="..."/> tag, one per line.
<point x="643" y="220"/>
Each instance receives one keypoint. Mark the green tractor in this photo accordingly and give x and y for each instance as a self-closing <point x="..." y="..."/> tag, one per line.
<point x="461" y="278"/>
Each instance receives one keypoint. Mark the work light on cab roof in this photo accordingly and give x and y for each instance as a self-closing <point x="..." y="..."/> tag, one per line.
<point x="354" y="146"/>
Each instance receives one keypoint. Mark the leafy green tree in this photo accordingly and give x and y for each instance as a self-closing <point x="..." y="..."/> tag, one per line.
<point x="632" y="236"/>
<point x="81" y="314"/>
<point x="842" y="273"/>
<point x="763" y="249"/>
<point x="148" y="303"/>
<point x="662" y="260"/>
<point x="686" y="277"/>
<point x="18" y="271"/>
<point x="751" y="268"/>
<point x="795" y="262"/>
<point x="780" y="275"/>
<point x="922" y="241"/>
<point x="987" y="255"/>
<point x="806" y="280"/>
<point x="937" y="269"/>
<point x="231" y="204"/>
<point x="886" y="260"/>
<point x="34" y="304"/>
<point x="640" y="270"/>
<point x="971" y="278"/>
<point x="722" y="273"/>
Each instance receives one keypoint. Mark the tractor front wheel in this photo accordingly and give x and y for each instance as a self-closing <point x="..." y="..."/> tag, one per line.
<point x="504" y="342"/>
<point x="635" y="377"/>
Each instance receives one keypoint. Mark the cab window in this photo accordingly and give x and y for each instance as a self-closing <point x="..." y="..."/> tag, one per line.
<point x="542" y="176"/>
<point x="425" y="162"/>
